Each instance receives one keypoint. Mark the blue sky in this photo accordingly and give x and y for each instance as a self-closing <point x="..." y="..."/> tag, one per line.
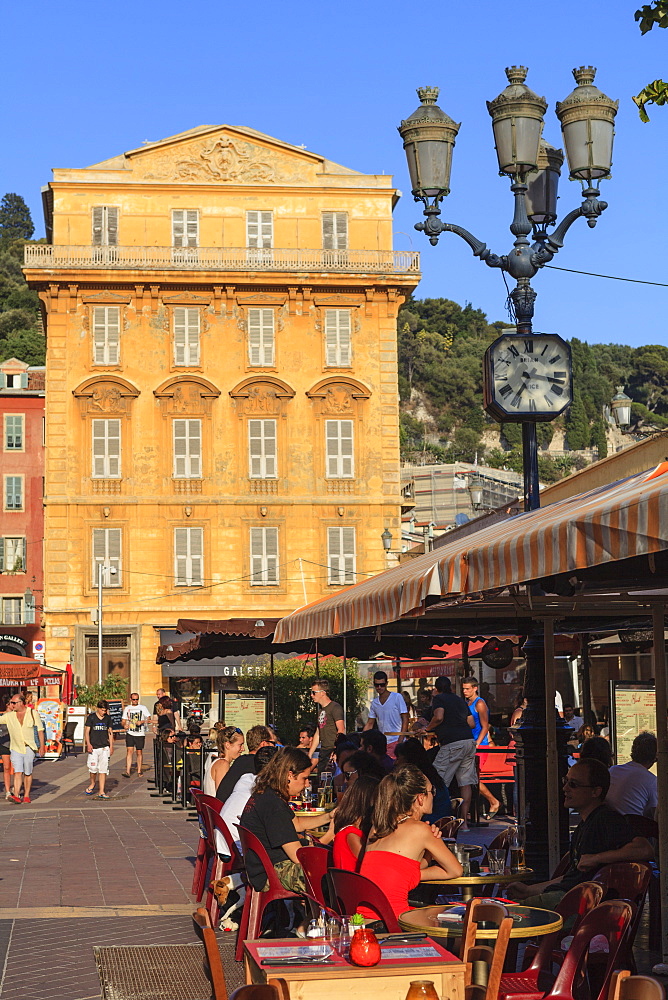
<point x="83" y="82"/>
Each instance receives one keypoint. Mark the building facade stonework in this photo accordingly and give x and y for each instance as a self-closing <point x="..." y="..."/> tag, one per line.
<point x="222" y="424"/>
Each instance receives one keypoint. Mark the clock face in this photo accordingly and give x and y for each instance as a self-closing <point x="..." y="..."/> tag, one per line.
<point x="528" y="377"/>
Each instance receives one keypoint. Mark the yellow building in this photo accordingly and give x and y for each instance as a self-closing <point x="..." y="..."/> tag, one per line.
<point x="221" y="407"/>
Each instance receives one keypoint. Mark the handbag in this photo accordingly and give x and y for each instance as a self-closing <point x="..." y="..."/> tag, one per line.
<point x="35" y="730"/>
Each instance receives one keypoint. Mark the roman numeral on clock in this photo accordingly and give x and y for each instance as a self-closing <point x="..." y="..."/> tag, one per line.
<point x="506" y="390"/>
<point x="528" y="346"/>
<point x="557" y="390"/>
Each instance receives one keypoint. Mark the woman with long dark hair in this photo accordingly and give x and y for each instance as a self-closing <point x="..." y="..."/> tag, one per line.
<point x="270" y="818"/>
<point x="411" y="751"/>
<point x="352" y="821"/>
<point x="402" y="851"/>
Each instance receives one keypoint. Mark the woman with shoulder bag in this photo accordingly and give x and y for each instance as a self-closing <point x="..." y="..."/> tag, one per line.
<point x="26" y="730"/>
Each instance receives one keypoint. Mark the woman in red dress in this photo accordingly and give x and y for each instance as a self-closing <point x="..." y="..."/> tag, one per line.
<point x="352" y="821"/>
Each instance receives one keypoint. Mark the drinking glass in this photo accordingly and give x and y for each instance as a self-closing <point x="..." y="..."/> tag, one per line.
<point x="462" y="856"/>
<point x="496" y="858"/>
<point x="345" y="937"/>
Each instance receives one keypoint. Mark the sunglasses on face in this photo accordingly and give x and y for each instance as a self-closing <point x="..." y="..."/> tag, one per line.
<point x="380" y="684"/>
<point x="348" y="774"/>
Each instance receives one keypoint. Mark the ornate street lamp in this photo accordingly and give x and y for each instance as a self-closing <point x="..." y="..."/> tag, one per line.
<point x="476" y="491"/>
<point x="386" y="538"/>
<point x="621" y="408"/>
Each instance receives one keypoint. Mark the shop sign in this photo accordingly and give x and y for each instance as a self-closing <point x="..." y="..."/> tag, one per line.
<point x="19" y="640"/>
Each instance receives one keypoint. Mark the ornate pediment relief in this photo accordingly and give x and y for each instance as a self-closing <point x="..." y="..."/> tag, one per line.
<point x="224" y="157"/>
<point x="338" y="396"/>
<point x="186" y="394"/>
<point x="102" y="395"/>
<point x="257" y="396"/>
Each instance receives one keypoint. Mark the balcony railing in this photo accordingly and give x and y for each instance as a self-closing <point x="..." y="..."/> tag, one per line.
<point x="222" y="259"/>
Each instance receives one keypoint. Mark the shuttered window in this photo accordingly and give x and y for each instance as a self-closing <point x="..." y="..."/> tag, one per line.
<point x="105" y="226"/>
<point x="337" y="338"/>
<point x="188" y="555"/>
<point x="339" y="449"/>
<point x="106" y="545"/>
<point x="12" y="555"/>
<point x="262" y="449"/>
<point x="341" y="555"/>
<point x="264" y="556"/>
<point x="335" y="230"/>
<point x="13" y="492"/>
<point x="106" y="335"/>
<point x="261" y="337"/>
<point x="14" y="432"/>
<point x="259" y="230"/>
<point x="187" y="449"/>
<point x="186" y="336"/>
<point x="185" y="227"/>
<point x="106" y="436"/>
<point x="11" y="611"/>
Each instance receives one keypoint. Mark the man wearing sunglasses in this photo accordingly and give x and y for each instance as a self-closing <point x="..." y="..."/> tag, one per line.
<point x="329" y="723"/>
<point x="602" y="837"/>
<point x="388" y="709"/>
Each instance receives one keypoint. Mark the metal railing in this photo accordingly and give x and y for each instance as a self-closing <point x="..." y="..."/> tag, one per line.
<point x="222" y="259"/>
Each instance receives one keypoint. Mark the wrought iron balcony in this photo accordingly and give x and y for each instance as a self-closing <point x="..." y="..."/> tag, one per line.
<point x="394" y="262"/>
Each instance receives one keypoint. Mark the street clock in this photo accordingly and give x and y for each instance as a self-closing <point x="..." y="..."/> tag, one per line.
<point x="527" y="377"/>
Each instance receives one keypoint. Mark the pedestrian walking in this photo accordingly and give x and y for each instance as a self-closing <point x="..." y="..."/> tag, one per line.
<point x="388" y="709"/>
<point x="480" y="712"/>
<point x="99" y="741"/>
<point x="134" y="720"/>
<point x="26" y="740"/>
<point x="330" y="721"/>
<point x="453" y="723"/>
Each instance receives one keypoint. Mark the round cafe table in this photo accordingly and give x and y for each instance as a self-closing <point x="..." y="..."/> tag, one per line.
<point x="528" y="922"/>
<point x="469" y="883"/>
<point x="473" y="850"/>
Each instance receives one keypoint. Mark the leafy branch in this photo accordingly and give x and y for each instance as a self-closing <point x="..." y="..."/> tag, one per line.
<point x="656" y="92"/>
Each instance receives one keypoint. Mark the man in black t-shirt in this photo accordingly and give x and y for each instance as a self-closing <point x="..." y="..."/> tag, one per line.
<point x="329" y="721"/>
<point x="99" y="742"/>
<point x="602" y="837"/>
<point x="453" y="723"/>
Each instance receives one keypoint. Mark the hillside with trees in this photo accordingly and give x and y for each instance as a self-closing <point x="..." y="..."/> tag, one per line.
<point x="20" y="324"/>
<point x="441" y="347"/>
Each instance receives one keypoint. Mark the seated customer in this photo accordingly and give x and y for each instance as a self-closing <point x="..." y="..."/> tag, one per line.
<point x="402" y="851"/>
<point x="256" y="737"/>
<point x="361" y="763"/>
<point x="352" y="822"/>
<point x="375" y="743"/>
<point x="602" y="837"/>
<point x="633" y="787"/>
<point x="236" y="802"/>
<point x="411" y="751"/>
<point x="599" y="749"/>
<point x="270" y="818"/>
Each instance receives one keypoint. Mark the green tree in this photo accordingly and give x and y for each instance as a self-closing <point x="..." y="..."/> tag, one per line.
<point x="598" y="439"/>
<point x="577" y="424"/>
<point x="113" y="687"/>
<point x="651" y="15"/>
<point x="26" y="345"/>
<point x="15" y="219"/>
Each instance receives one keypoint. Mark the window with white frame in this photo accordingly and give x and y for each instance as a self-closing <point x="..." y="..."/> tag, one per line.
<point x="335" y="230"/>
<point x="106" y="552"/>
<point x="106" y="335"/>
<point x="341" y="555"/>
<point x="106" y="437"/>
<point x="12" y="555"/>
<point x="262" y="449"/>
<point x="337" y="338"/>
<point x="186" y="321"/>
<point x="339" y="449"/>
<point x="187" y="449"/>
<point x="105" y="226"/>
<point x="14" y="440"/>
<point x="259" y="234"/>
<point x="264" y="557"/>
<point x="185" y="227"/>
<point x="13" y="492"/>
<point x="261" y="337"/>
<point x="188" y="556"/>
<point x="12" y="611"/>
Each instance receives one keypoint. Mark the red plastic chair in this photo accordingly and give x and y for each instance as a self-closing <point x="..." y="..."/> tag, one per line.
<point x="206" y="849"/>
<point x="352" y="890"/>
<point x="626" y="880"/>
<point x="315" y="862"/>
<point x="575" y="903"/>
<point x="610" y="919"/>
<point x="221" y="868"/>
<point x="257" y="901"/>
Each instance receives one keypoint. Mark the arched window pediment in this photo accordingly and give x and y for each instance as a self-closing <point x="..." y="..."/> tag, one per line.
<point x="262" y="394"/>
<point x="201" y="385"/>
<point x="105" y="394"/>
<point x="339" y="395"/>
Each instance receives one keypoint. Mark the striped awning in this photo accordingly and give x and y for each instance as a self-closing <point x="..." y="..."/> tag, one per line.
<point x="615" y="522"/>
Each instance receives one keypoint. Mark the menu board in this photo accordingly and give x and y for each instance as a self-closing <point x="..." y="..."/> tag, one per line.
<point x="116" y="714"/>
<point x="245" y="709"/>
<point x="632" y="711"/>
<point x="51" y="713"/>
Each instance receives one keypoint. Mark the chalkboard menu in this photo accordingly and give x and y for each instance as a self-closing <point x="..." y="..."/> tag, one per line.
<point x="116" y="713"/>
<point x="632" y="711"/>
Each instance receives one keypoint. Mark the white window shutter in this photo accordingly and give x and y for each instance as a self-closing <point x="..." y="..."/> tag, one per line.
<point x="180" y="448"/>
<point x="261" y="337"/>
<point x="187" y="449"/>
<point x="339" y="449"/>
<point x="259" y="230"/>
<point x="106" y="335"/>
<point x="192" y="336"/>
<point x="178" y="228"/>
<point x="257" y="555"/>
<point x="186" y="324"/>
<point x="195" y="448"/>
<point x="337" y="337"/>
<point x="2" y="554"/>
<point x="98" y="225"/>
<point x="112" y="226"/>
<point x="334" y="231"/>
<point x="181" y="557"/>
<point x="107" y="549"/>
<point x="106" y="435"/>
<point x="341" y="555"/>
<point x="262" y="449"/>
<point x="192" y="228"/>
<point x="271" y="550"/>
<point x="264" y="556"/>
<point x="179" y="336"/>
<point x="196" y="556"/>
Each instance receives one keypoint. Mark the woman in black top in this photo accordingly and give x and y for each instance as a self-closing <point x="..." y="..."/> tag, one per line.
<point x="270" y="818"/>
<point x="411" y="751"/>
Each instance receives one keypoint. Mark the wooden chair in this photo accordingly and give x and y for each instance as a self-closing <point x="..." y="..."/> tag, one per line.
<point x="213" y="966"/>
<point x="351" y="890"/>
<point x="624" y="986"/>
<point x="257" y="901"/>
<point x="449" y="826"/>
<point x="484" y="963"/>
<point x="611" y="920"/>
<point x="315" y="862"/>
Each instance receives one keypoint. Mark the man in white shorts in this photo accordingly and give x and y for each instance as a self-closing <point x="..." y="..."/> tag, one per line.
<point x="135" y="717"/>
<point x="99" y="742"/>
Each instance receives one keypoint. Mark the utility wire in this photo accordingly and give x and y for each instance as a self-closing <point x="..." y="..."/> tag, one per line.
<point x="612" y="277"/>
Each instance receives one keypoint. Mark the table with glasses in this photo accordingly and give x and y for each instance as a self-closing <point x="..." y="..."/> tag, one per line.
<point x="528" y="922"/>
<point x="470" y="883"/>
<point x="400" y="964"/>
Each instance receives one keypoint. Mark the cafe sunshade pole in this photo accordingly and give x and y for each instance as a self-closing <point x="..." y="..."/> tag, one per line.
<point x="551" y="739"/>
<point x="659" y="661"/>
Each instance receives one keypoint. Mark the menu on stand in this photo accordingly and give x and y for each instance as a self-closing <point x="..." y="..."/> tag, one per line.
<point x="245" y="709"/>
<point x="632" y="711"/>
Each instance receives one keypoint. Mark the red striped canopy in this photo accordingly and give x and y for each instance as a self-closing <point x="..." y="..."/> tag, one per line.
<point x="628" y="518"/>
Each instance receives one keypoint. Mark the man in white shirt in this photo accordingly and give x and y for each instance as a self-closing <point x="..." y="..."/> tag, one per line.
<point x="134" y="720"/>
<point x="571" y="719"/>
<point x="633" y="788"/>
<point x="388" y="709"/>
